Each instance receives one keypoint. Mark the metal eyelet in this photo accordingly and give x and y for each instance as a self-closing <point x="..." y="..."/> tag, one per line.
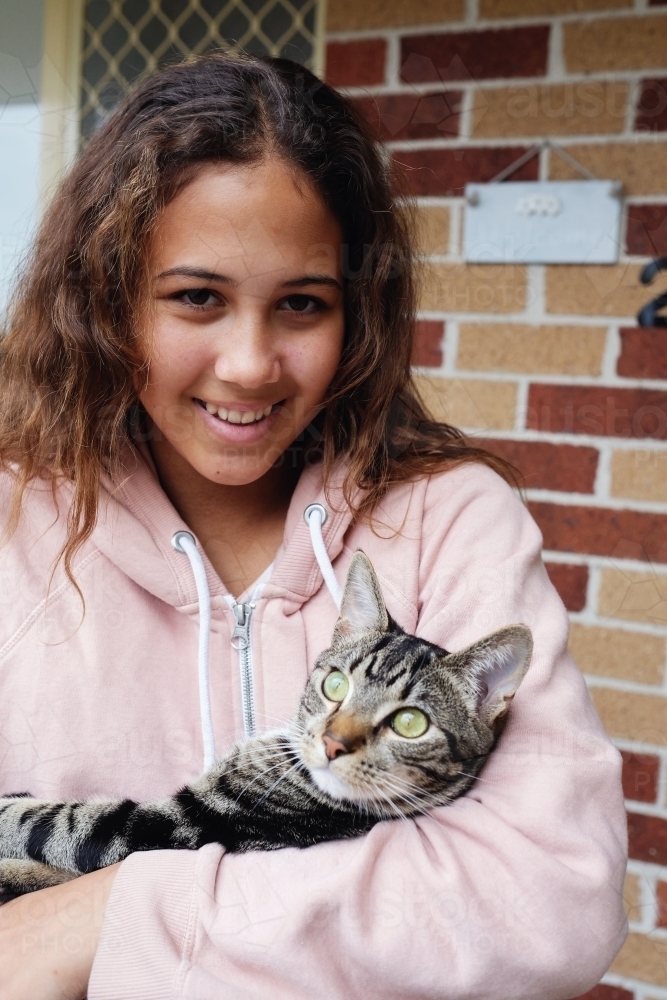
<point x="178" y="536"/>
<point x="312" y="507"/>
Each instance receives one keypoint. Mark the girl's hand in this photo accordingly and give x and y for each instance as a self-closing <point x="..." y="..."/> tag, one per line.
<point x="48" y="938"/>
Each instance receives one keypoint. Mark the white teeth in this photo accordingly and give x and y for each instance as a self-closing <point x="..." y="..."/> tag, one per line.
<point x="236" y="417"/>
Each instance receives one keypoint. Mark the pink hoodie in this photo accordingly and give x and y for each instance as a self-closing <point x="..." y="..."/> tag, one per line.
<point x="515" y="890"/>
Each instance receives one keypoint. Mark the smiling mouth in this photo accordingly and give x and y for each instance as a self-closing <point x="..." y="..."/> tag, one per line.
<point x="232" y="416"/>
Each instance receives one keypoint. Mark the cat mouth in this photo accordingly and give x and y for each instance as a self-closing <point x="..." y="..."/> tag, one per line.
<point x="334" y="786"/>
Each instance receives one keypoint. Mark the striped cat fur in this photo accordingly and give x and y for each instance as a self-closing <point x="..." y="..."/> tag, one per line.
<point x="389" y="726"/>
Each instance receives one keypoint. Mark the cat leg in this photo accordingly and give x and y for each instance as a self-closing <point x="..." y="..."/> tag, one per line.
<point x="18" y="876"/>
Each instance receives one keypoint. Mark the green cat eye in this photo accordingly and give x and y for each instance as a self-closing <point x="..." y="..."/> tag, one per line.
<point x="335" y="686"/>
<point x="409" y="722"/>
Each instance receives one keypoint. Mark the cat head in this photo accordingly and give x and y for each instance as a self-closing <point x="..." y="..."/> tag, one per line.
<point x="395" y="721"/>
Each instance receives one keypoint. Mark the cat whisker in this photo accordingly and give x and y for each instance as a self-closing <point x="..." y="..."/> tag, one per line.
<point x="294" y="767"/>
<point x="487" y="781"/>
<point x="259" y="777"/>
<point x="393" y="806"/>
<point x="411" y="801"/>
<point x="403" y="789"/>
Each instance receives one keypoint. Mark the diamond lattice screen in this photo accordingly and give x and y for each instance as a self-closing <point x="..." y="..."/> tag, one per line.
<point x="125" y="39"/>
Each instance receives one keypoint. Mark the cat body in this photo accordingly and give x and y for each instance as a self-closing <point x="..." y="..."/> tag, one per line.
<point x="389" y="726"/>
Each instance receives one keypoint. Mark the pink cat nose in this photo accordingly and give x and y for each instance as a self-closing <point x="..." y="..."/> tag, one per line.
<point x="333" y="747"/>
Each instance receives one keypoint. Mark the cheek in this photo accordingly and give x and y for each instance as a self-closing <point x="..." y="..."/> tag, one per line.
<point x="175" y="361"/>
<point x="313" y="364"/>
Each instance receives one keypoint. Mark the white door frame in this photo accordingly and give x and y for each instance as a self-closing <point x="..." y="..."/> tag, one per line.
<point x="59" y="98"/>
<point x="61" y="82"/>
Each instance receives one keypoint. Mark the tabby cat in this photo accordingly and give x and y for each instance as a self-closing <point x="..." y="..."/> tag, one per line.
<point x="389" y="725"/>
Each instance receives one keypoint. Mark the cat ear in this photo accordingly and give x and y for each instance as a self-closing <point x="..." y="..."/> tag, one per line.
<point x="362" y="608"/>
<point x="494" y="667"/>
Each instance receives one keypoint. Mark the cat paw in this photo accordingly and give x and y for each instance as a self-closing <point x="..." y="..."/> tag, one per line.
<point x="18" y="876"/>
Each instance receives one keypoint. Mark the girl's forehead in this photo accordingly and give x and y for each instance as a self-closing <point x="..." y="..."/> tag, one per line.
<point x="229" y="212"/>
<point x="241" y="202"/>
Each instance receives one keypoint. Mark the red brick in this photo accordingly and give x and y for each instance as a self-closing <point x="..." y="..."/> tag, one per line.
<point x="360" y="63"/>
<point x="601" y="531"/>
<point x="647" y="838"/>
<point x="661" y="893"/>
<point x="447" y="171"/>
<point x="647" y="231"/>
<point x="546" y="466"/>
<point x="427" y="343"/>
<point x="475" y="55"/>
<point x="413" y="116"/>
<point x="643" y="352"/>
<point x="570" y="582"/>
<point x="605" y="992"/>
<point x="640" y="776"/>
<point x="605" y="411"/>
<point x="652" y="106"/>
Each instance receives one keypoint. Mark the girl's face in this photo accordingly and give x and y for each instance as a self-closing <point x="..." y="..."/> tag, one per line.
<point x="245" y="322"/>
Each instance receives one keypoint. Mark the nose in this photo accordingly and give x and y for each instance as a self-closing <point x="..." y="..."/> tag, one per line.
<point x="334" y="747"/>
<point x="248" y="357"/>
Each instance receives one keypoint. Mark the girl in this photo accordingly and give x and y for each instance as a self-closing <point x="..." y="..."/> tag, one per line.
<point x="212" y="337"/>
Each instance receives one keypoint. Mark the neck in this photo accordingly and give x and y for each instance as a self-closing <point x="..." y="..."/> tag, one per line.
<point x="239" y="527"/>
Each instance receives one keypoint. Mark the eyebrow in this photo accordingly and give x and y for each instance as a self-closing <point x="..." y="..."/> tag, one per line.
<point x="196" y="272"/>
<point x="222" y="279"/>
<point x="312" y="279"/>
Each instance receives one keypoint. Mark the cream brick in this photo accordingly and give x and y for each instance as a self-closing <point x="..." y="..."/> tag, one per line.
<point x="517" y="347"/>
<point x="613" y="652"/>
<point x="633" y="596"/>
<point x="629" y="716"/>
<point x="499" y="288"/>
<point x="354" y="15"/>
<point x="615" y="44"/>
<point x="632" y="897"/>
<point x="579" y="108"/>
<point x="471" y="403"/>
<point x="433" y="224"/>
<point x="639" y="474"/>
<point x="535" y="8"/>
<point x="595" y="290"/>
<point x="643" y="957"/>
<point x="639" y="165"/>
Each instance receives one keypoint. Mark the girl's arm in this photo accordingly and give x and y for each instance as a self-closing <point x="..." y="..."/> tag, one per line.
<point x="513" y="891"/>
<point x="48" y="939"/>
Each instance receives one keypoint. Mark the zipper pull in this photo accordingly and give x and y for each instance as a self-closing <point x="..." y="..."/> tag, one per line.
<point x="241" y="633"/>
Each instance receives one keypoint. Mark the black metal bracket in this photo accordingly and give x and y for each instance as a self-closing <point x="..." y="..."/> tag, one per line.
<point x="648" y="315"/>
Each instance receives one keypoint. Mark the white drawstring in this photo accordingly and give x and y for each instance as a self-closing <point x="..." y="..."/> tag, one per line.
<point x="183" y="541"/>
<point x="315" y="516"/>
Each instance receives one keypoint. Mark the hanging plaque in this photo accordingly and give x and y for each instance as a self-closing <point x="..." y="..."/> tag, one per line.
<point x="542" y="222"/>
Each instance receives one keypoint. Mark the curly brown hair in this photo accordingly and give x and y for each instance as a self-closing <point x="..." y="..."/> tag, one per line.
<point x="72" y="356"/>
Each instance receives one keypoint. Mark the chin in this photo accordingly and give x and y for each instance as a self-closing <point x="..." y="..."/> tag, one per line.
<point x="227" y="472"/>
<point x="333" y="786"/>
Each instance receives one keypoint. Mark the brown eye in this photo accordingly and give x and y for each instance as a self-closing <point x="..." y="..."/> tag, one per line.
<point x="306" y="305"/>
<point x="199" y="297"/>
<point x="298" y="303"/>
<point x="409" y="723"/>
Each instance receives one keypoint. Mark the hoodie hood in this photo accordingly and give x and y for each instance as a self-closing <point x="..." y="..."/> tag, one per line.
<point x="136" y="523"/>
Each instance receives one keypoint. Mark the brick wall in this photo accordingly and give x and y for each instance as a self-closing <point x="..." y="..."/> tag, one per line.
<point x="545" y="364"/>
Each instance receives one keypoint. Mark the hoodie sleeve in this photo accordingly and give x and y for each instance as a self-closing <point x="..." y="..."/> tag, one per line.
<point x="514" y="891"/>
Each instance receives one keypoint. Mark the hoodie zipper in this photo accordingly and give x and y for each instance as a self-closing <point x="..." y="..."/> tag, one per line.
<point x="241" y="642"/>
